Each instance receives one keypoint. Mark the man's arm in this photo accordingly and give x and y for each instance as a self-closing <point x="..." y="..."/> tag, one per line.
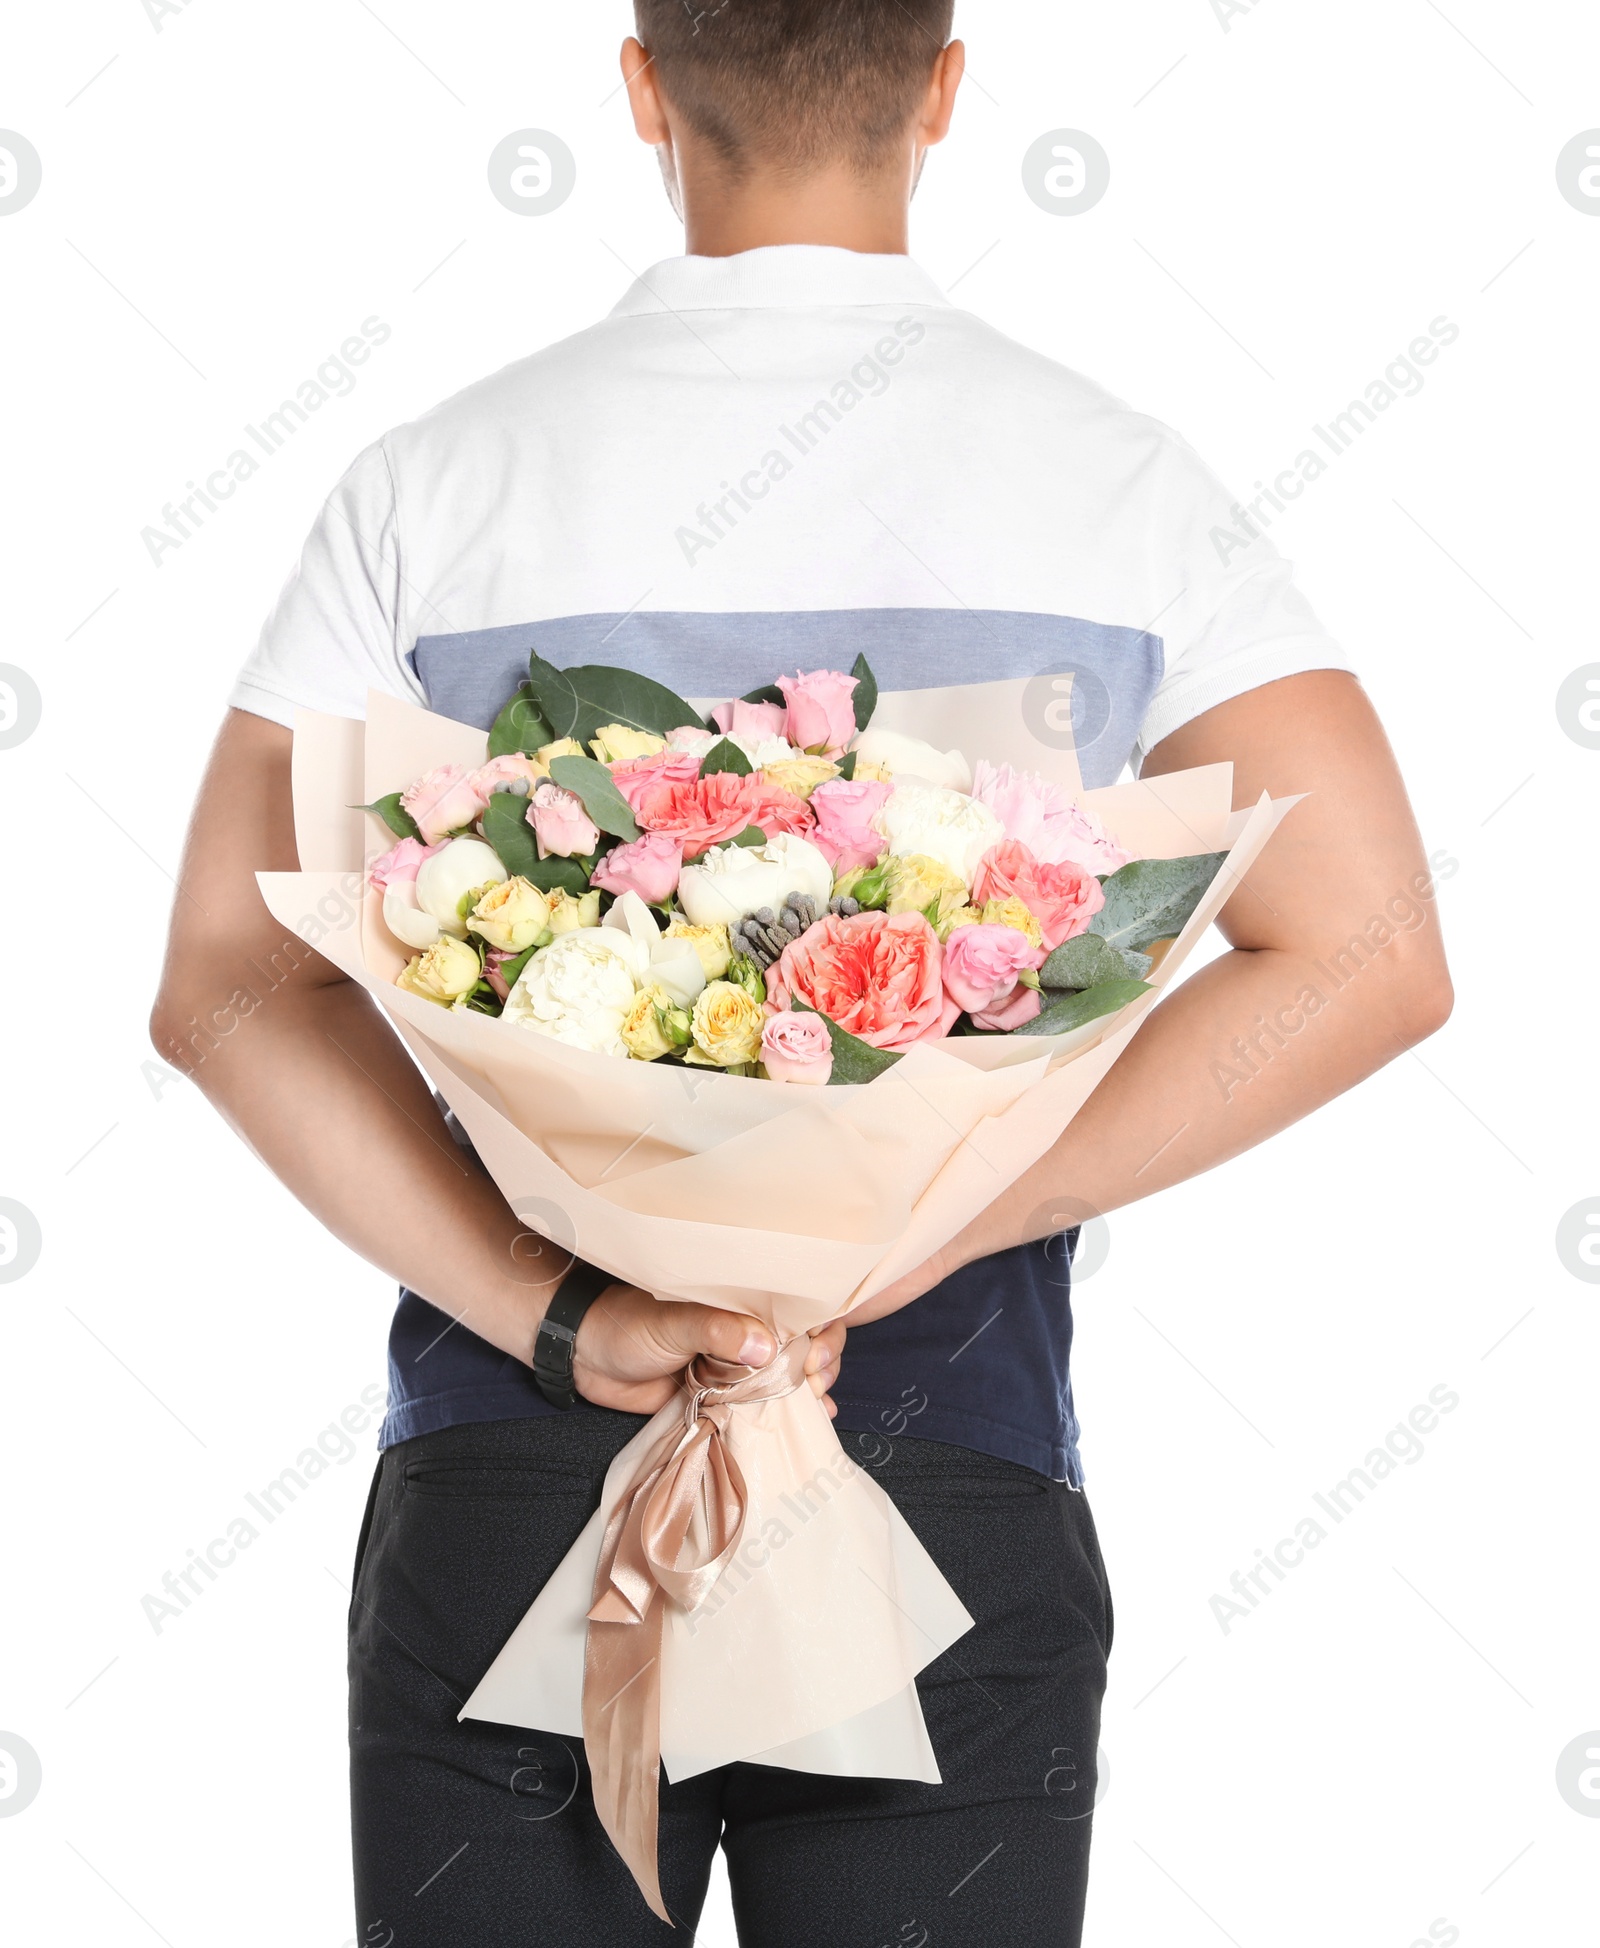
<point x="307" y="1070"/>
<point x="1278" y="1026"/>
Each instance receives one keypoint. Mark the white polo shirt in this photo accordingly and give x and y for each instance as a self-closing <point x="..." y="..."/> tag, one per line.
<point x="774" y="460"/>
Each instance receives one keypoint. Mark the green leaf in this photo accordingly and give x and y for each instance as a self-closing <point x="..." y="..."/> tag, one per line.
<point x="595" y="785"/>
<point x="511" y="969"/>
<point x="1152" y="899"/>
<point x="853" y="1059"/>
<point x="752" y="835"/>
<point x="768" y="693"/>
<point x="506" y="827"/>
<point x="847" y="765"/>
<point x="1073" y="1010"/>
<point x="1086" y="960"/>
<point x="725" y="756"/>
<point x="521" y="726"/>
<point x="399" y="821"/>
<point x="576" y="703"/>
<point x="571" y="875"/>
<point x="866" y="692"/>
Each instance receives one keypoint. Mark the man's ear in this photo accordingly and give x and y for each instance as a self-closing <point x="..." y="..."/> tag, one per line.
<point x="939" y="104"/>
<point x="644" y="97"/>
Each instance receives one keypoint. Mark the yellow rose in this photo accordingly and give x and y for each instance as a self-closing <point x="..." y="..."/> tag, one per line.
<point x="564" y="747"/>
<point x="510" y="916"/>
<point x="877" y="774"/>
<point x="615" y="743"/>
<point x="727" y="1026"/>
<point x="710" y="943"/>
<point x="448" y="970"/>
<point x="953" y="914"/>
<point x="1011" y="912"/>
<point x="569" y="911"/>
<point x="654" y="1026"/>
<point x="916" y="881"/>
<point x="800" y="775"/>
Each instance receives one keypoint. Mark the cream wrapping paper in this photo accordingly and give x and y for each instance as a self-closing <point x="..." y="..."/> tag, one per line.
<point x="791" y="1203"/>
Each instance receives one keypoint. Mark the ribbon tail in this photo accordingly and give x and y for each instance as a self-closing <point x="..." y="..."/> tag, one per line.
<point x="622" y="1736"/>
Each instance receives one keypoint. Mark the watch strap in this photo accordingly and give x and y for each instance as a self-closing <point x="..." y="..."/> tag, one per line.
<point x="555" y="1341"/>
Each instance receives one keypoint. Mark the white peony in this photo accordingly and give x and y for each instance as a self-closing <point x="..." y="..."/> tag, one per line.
<point x="404" y="918"/>
<point x="673" y="964"/>
<point x="580" y="988"/>
<point x="911" y="760"/>
<point x="733" y="881"/>
<point x="942" y="825"/>
<point x="444" y="880"/>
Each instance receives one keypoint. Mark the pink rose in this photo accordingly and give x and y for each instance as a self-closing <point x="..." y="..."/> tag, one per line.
<point x="560" y="823"/>
<point x="702" y="812"/>
<point x="875" y="975"/>
<point x="751" y="720"/>
<point x="981" y="965"/>
<point x="513" y="768"/>
<point x="398" y="866"/>
<point x="1036" y="814"/>
<point x="445" y="801"/>
<point x="648" y="867"/>
<point x="822" y="714"/>
<point x="844" y="812"/>
<point x="1023" y="1005"/>
<point x="797" y="1048"/>
<point x="636" y="776"/>
<point x="1062" y="898"/>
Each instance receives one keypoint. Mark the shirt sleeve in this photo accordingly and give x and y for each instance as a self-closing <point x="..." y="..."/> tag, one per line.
<point x="1238" y="621"/>
<point x="335" y="632"/>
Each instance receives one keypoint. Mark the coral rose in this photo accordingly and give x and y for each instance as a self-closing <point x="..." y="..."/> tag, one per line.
<point x="702" y="812"/>
<point x="1063" y="898"/>
<point x="876" y="975"/>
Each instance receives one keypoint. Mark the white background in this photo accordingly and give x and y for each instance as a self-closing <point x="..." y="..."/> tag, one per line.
<point x="1295" y="194"/>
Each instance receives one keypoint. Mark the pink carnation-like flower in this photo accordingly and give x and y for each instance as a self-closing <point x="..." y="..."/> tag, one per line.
<point x="1021" y="1005"/>
<point x="844" y="810"/>
<point x="797" y="1048"/>
<point x="1062" y="898"/>
<point x="647" y="866"/>
<point x="398" y="866"/>
<point x="509" y="769"/>
<point x="981" y="965"/>
<point x="821" y="710"/>
<point x="702" y="812"/>
<point x="560" y="823"/>
<point x="1039" y="815"/>
<point x="636" y="776"/>
<point x="754" y="721"/>
<point x="877" y="975"/>
<point x="444" y="801"/>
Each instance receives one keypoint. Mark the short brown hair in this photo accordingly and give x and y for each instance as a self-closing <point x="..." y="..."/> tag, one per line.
<point x="795" y="82"/>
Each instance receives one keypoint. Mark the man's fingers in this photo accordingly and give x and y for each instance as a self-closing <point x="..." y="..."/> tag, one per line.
<point x="724" y="1335"/>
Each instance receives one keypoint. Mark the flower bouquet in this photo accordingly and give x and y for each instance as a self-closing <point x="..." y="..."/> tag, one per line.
<point x="627" y="936"/>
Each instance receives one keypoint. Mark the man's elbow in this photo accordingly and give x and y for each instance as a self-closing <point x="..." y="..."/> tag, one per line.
<point x="1424" y="1003"/>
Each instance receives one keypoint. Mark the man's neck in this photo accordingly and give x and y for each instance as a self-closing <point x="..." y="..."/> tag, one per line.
<point x="831" y="207"/>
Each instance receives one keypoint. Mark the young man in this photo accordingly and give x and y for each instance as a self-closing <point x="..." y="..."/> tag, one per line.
<point x="798" y="449"/>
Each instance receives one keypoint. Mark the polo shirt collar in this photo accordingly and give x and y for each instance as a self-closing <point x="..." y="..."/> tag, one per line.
<point x="789" y="276"/>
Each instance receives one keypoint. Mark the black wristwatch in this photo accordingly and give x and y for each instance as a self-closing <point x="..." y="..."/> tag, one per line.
<point x="558" y="1332"/>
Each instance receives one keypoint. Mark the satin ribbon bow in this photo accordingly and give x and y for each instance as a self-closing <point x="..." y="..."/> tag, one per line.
<point x="672" y="1533"/>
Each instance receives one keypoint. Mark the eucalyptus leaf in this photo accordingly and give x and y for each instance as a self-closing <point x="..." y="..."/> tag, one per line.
<point x="399" y="821"/>
<point x="520" y="727"/>
<point x="578" y="702"/>
<point x="752" y="835"/>
<point x="1152" y="899"/>
<point x="854" y="1060"/>
<point x="1086" y="960"/>
<point x="1073" y="1010"/>
<point x="865" y="697"/>
<point x="506" y="827"/>
<point x="594" y="784"/>
<point x="725" y="756"/>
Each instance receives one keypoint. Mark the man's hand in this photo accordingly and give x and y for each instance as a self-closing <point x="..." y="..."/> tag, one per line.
<point x="631" y="1348"/>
